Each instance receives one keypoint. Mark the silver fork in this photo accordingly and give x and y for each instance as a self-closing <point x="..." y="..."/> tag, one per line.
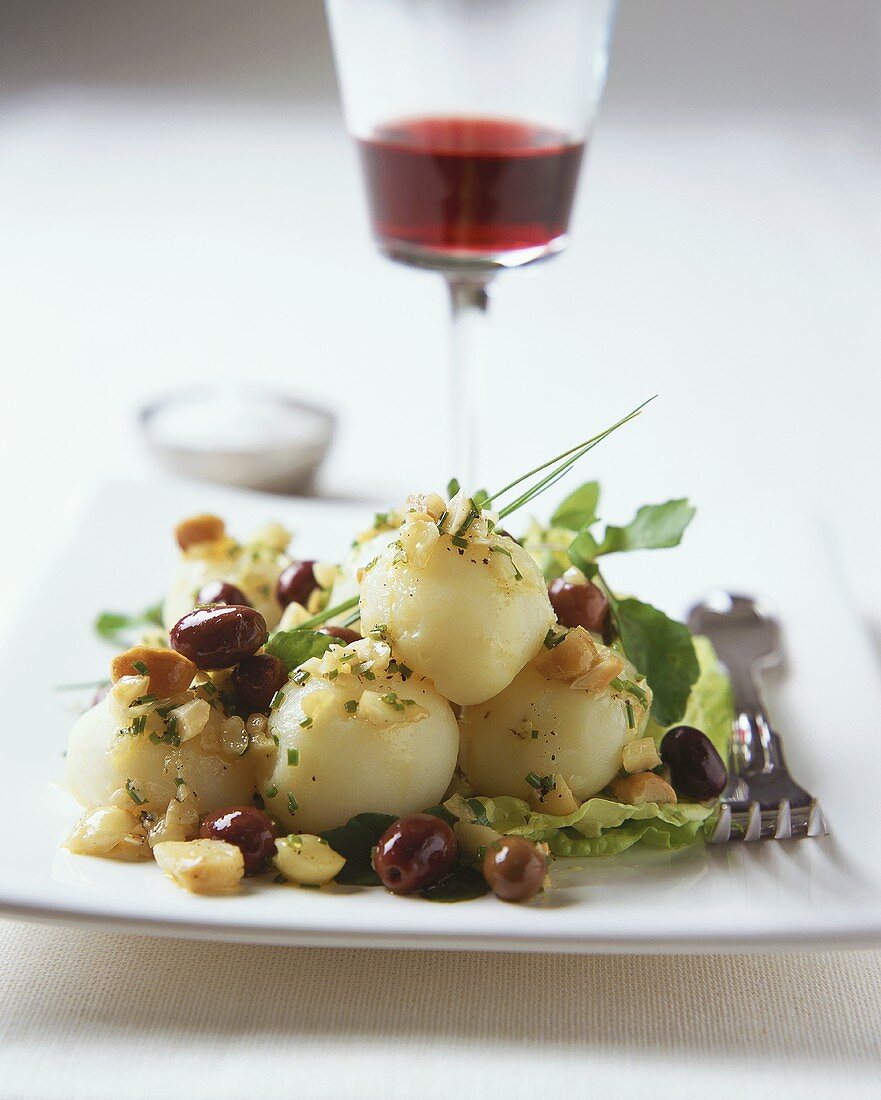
<point x="761" y="800"/>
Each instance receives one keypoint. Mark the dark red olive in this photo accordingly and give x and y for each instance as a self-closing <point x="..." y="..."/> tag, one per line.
<point x="580" y="605"/>
<point x="415" y="852"/>
<point x="256" y="680"/>
<point x="343" y="633"/>
<point x="248" y="828"/>
<point x="296" y="584"/>
<point x="515" y="868"/>
<point x="222" y="592"/>
<point x="696" y="769"/>
<point x="219" y="637"/>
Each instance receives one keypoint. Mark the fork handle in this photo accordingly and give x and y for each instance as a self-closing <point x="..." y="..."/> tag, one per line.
<point x="755" y="747"/>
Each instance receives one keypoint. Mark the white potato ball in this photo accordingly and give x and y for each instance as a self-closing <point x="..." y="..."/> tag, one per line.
<point x="468" y="617"/>
<point x="254" y="568"/>
<point x="100" y="761"/>
<point x="346" y="584"/>
<point x="350" y="745"/>
<point x="547" y="728"/>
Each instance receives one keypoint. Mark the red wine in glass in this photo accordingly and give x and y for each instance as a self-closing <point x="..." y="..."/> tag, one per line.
<point x="470" y="187"/>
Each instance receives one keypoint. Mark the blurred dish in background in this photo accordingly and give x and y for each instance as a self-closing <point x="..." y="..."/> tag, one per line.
<point x="259" y="439"/>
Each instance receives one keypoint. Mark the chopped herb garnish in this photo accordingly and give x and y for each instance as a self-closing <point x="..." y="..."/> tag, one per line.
<point x="442" y="520"/>
<point x="272" y="791"/>
<point x="620" y="684"/>
<point x="552" y="640"/>
<point x="293" y="757"/>
<point x="139" y="666"/>
<point x="457" y="540"/>
<point x="391" y="699"/>
<point x="351" y="705"/>
<point x="133" y="793"/>
<point x="306" y="723"/>
<point x="542" y="783"/>
<point x="518" y="576"/>
<point x="332" y="675"/>
<point x="534" y="735"/>
<point x="292" y="803"/>
<point x="379" y="632"/>
<point x="179" y="782"/>
<point x="277" y="699"/>
<point x="301" y="676"/>
<point x="142" y="700"/>
<point x="628" y="706"/>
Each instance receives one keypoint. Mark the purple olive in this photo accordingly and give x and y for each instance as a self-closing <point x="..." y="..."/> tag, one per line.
<point x="222" y="592"/>
<point x="248" y="828"/>
<point x="580" y="605"/>
<point x="514" y="868"/>
<point x="219" y="637"/>
<point x="415" y="852"/>
<point x="256" y="680"/>
<point x="296" y="584"/>
<point x="696" y="769"/>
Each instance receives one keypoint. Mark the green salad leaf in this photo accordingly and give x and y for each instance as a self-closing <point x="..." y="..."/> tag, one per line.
<point x="599" y="827"/>
<point x="113" y="626"/>
<point x="354" y="841"/>
<point x="296" y="646"/>
<point x="654" y="527"/>
<point x="579" y="509"/>
<point x="663" y="651"/>
<point x="711" y="702"/>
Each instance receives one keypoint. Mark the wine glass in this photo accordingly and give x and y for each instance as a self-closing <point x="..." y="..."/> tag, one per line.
<point x="471" y="117"/>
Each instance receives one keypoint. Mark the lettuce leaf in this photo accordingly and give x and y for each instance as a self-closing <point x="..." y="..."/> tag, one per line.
<point x="604" y="827"/>
<point x="599" y="827"/>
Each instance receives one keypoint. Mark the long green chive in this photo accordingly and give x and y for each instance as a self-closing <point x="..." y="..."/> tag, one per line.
<point x="328" y="614"/>
<point x="566" y="461"/>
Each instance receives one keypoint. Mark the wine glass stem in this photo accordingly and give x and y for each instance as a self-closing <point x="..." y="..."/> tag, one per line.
<point x="469" y="303"/>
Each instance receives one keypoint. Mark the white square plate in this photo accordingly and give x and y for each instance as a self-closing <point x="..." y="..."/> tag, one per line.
<point x="737" y="897"/>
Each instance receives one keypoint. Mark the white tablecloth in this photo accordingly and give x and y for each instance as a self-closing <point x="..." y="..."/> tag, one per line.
<point x="87" y="1015"/>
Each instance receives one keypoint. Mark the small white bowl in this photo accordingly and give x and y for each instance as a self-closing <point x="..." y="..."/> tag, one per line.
<point x="251" y="438"/>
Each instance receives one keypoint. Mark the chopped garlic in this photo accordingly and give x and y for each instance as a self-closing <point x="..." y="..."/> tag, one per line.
<point x="192" y="717"/>
<point x="641" y="755"/>
<point x="201" y="866"/>
<point x="110" y="832"/>
<point x="307" y="860"/>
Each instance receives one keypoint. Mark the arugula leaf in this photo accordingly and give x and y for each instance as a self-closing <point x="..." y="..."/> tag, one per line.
<point x="113" y="625"/>
<point x="663" y="651"/>
<point x="654" y="527"/>
<point x="355" y="841"/>
<point x="579" y="509"/>
<point x="296" y="646"/>
<point x="582" y="551"/>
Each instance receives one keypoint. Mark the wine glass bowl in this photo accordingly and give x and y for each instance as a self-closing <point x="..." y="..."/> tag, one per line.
<point x="472" y="118"/>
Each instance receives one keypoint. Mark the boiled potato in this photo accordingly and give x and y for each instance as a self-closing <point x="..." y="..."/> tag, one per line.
<point x="101" y="761"/>
<point x="356" y="735"/>
<point x="465" y="611"/>
<point x="547" y="727"/>
<point x="346" y="584"/>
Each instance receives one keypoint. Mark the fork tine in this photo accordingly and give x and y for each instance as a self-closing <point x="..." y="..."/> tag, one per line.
<point x="754" y="822"/>
<point x="816" y="821"/>
<point x="722" y="832"/>
<point x="783" y="830"/>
